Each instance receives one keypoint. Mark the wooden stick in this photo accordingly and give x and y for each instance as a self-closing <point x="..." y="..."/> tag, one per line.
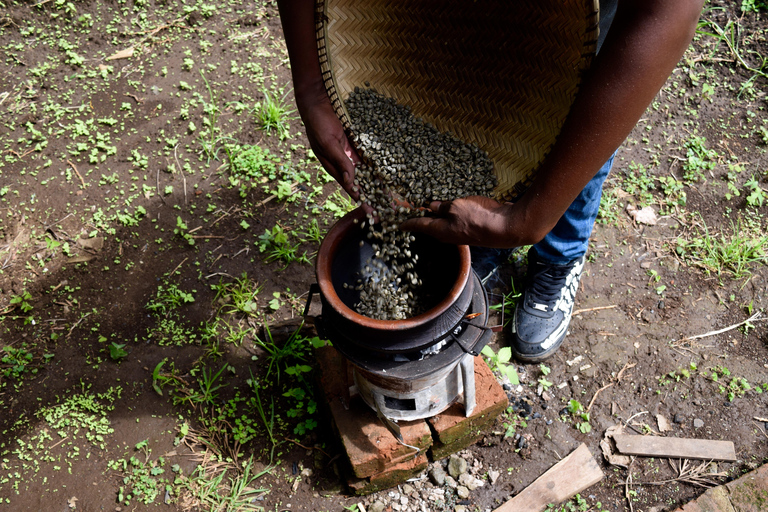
<point x="571" y="475"/>
<point x="591" y="402"/>
<point x="580" y="311"/>
<point x="177" y="267"/>
<point x="82" y="181"/>
<point x="753" y="318"/>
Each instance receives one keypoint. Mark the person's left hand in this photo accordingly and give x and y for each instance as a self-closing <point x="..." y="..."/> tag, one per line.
<point x="473" y="220"/>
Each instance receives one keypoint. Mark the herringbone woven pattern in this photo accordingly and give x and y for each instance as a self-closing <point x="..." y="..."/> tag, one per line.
<point x="499" y="74"/>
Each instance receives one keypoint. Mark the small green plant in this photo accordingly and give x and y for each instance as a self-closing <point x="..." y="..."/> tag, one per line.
<point x="512" y="421"/>
<point x="275" y="243"/>
<point x="734" y="253"/>
<point x="239" y="296"/>
<point x="753" y="5"/>
<point x="181" y="230"/>
<point x="117" y="351"/>
<point x="757" y="194"/>
<point x="699" y="158"/>
<point x="22" y="302"/>
<point x="543" y="382"/>
<point x="142" y="480"/>
<point x="169" y="298"/>
<point x="639" y="182"/>
<point x="273" y="114"/>
<point x="576" y="504"/>
<point x="581" y="416"/>
<point x="15" y="362"/>
<point x="499" y="362"/>
<point x="295" y="346"/>
<point x="508" y="302"/>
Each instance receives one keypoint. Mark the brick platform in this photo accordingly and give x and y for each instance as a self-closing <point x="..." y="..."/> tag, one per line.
<point x="454" y="431"/>
<point x="746" y="494"/>
<point x="378" y="461"/>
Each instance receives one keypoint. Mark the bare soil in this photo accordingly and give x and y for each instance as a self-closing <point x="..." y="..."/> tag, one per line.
<point x="631" y="353"/>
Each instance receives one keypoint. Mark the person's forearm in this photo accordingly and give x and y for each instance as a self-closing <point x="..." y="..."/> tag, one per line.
<point x="644" y="44"/>
<point x="298" y="19"/>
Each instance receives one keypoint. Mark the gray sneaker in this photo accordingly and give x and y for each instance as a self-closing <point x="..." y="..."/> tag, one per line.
<point x="542" y="316"/>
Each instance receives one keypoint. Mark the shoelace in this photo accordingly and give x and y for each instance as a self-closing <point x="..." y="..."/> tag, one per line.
<point x="547" y="284"/>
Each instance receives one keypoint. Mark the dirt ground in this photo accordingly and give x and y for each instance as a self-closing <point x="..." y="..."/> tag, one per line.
<point x="126" y="233"/>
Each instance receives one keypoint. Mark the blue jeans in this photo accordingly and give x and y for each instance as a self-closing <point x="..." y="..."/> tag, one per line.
<point x="569" y="239"/>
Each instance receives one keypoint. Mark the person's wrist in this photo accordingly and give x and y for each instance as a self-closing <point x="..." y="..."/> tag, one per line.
<point x="309" y="93"/>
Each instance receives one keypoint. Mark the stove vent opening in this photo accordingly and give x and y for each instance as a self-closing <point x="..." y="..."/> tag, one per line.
<point x="400" y="404"/>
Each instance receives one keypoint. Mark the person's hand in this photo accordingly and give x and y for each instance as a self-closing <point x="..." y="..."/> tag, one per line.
<point x="474" y="220"/>
<point x="328" y="140"/>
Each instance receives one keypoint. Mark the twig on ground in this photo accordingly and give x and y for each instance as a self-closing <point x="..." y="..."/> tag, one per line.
<point x="627" y="366"/>
<point x="177" y="267"/>
<point x="307" y="447"/>
<point x="587" y="310"/>
<point x="627" y="483"/>
<point x="77" y="323"/>
<point x="82" y="181"/>
<point x="694" y="475"/>
<point x="753" y="318"/>
<point x="760" y="429"/>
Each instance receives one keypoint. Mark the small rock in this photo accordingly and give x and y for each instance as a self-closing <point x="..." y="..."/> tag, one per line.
<point x="456" y="466"/>
<point x="493" y="475"/>
<point x="459" y="508"/>
<point x="462" y="492"/>
<point x="377" y="506"/>
<point x="470" y="482"/>
<point x="536" y="415"/>
<point x="546" y="396"/>
<point x="522" y="443"/>
<point x="679" y="418"/>
<point x="507" y="387"/>
<point x="450" y="482"/>
<point x="697" y="423"/>
<point x="404" y="501"/>
<point x="407" y="489"/>
<point x="437" y="475"/>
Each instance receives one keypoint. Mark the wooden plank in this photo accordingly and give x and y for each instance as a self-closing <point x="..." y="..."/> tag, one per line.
<point x="674" y="447"/>
<point x="571" y="475"/>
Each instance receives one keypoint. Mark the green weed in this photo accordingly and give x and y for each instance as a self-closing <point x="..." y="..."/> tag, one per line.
<point x="733" y="254"/>
<point x="239" y="296"/>
<point x="169" y="298"/>
<point x="699" y="159"/>
<point x="273" y="114"/>
<point x="499" y="362"/>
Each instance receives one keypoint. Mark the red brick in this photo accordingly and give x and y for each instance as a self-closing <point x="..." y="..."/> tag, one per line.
<point x="390" y="478"/>
<point x="441" y="450"/>
<point x="750" y="492"/>
<point x="746" y="494"/>
<point x="452" y="426"/>
<point x="372" y="448"/>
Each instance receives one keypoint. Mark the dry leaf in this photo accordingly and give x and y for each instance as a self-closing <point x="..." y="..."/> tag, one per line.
<point x="645" y="216"/>
<point x="72" y="502"/>
<point x="608" y="447"/>
<point x="95" y="244"/>
<point x="122" y="54"/>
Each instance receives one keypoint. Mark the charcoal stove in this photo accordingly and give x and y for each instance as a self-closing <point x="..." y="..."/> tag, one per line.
<point x="405" y="369"/>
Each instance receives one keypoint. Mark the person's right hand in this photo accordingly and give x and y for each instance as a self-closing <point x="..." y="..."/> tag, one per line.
<point x="328" y="140"/>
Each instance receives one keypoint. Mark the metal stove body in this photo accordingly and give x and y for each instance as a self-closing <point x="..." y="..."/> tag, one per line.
<point x="422" y="377"/>
<point x="413" y="368"/>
